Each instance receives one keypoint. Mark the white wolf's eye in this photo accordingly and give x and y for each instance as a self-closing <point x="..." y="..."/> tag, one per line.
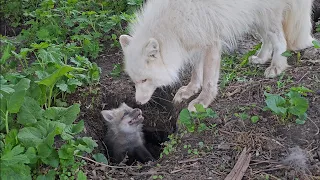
<point x="143" y="81"/>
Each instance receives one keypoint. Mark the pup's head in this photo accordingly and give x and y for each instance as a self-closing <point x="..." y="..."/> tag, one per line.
<point x="124" y="119"/>
<point x="144" y="65"/>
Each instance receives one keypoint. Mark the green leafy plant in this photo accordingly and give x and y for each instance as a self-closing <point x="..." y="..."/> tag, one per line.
<point x="291" y="106"/>
<point x="193" y="120"/>
<point x="29" y="142"/>
<point x="49" y="59"/>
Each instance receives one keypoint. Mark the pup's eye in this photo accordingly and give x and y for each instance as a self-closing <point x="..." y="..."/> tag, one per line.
<point x="143" y="81"/>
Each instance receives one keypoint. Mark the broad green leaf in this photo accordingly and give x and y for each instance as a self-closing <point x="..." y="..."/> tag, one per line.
<point x="32" y="155"/>
<point x="6" y="54"/>
<point x="186" y="120"/>
<point x="211" y="113"/>
<point x="52" y="159"/>
<point x="15" y="101"/>
<point x="78" y="127"/>
<point x="21" y="172"/>
<point x="35" y="92"/>
<point x="30" y="136"/>
<point x="62" y="86"/>
<point x="81" y="175"/>
<point x="15" y="156"/>
<point x="316" y="44"/>
<point x="11" y="139"/>
<point x="100" y="158"/>
<point x="43" y="34"/>
<point x="49" y="176"/>
<point x="30" y="112"/>
<point x="302" y="90"/>
<point x="254" y="119"/>
<point x="6" y="88"/>
<point x="287" y="54"/>
<point x="44" y="150"/>
<point x="66" y="152"/>
<point x="53" y="78"/>
<point x="300" y="122"/>
<point x="42" y="45"/>
<point x="51" y="54"/>
<point x="23" y="84"/>
<point x="184" y="116"/>
<point x="202" y="127"/>
<point x="71" y="130"/>
<point x="63" y="115"/>
<point x="299" y="105"/>
<point x="86" y="144"/>
<point x="276" y="103"/>
<point x="200" y="108"/>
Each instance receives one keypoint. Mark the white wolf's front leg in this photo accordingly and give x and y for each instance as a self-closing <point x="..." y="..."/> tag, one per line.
<point x="211" y="69"/>
<point x="279" y="43"/>
<point x="185" y="92"/>
<point x="265" y="53"/>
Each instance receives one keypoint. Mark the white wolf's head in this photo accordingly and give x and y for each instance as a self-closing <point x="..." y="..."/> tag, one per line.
<point x="144" y="65"/>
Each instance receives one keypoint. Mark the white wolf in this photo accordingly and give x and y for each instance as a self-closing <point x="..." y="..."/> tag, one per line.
<point x="169" y="33"/>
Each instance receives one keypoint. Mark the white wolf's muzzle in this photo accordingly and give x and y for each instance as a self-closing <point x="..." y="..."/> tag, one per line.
<point x="143" y="93"/>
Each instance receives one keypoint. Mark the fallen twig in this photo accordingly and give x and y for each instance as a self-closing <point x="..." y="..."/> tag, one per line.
<point x="271" y="169"/>
<point x="189" y="160"/>
<point x="315" y="125"/>
<point x="241" y="166"/>
<point x="106" y="165"/>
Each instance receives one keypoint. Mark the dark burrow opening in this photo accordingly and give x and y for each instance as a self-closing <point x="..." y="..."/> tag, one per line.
<point x="160" y="118"/>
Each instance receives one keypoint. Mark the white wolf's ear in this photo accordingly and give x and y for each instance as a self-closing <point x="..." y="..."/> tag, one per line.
<point x="152" y="48"/>
<point x="124" y="40"/>
<point x="108" y="115"/>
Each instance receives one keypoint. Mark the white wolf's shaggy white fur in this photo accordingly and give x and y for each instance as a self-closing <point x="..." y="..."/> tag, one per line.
<point x="168" y="33"/>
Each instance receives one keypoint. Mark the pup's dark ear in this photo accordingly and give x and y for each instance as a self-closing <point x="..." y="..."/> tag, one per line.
<point x="124" y="40"/>
<point x="152" y="48"/>
<point x="108" y="115"/>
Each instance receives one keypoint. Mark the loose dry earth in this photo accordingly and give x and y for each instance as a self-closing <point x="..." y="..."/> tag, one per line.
<point x="269" y="140"/>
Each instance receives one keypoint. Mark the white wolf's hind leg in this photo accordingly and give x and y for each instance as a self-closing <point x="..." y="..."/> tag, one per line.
<point x="279" y="62"/>
<point x="265" y="52"/>
<point x="185" y="92"/>
<point x="211" y="68"/>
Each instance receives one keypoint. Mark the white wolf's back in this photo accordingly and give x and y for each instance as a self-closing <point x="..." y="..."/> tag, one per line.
<point x="193" y="22"/>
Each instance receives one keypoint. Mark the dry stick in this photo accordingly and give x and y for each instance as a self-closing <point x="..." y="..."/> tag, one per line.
<point x="102" y="164"/>
<point x="189" y="160"/>
<point x="271" y="169"/>
<point x="302" y="77"/>
<point x="318" y="130"/>
<point x="241" y="166"/>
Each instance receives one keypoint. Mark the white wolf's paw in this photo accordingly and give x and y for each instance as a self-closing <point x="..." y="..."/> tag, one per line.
<point x="256" y="60"/>
<point x="274" y="71"/>
<point x="184" y="93"/>
<point x="198" y="100"/>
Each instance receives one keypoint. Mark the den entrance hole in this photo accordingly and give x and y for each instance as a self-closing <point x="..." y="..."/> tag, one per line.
<point x="160" y="117"/>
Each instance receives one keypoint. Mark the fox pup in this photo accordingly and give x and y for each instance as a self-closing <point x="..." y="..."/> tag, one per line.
<point x="124" y="135"/>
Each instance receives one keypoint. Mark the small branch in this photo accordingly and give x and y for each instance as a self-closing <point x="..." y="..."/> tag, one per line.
<point x="105" y="165"/>
<point x="271" y="169"/>
<point x="241" y="166"/>
<point x="318" y="130"/>
<point x="189" y="160"/>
